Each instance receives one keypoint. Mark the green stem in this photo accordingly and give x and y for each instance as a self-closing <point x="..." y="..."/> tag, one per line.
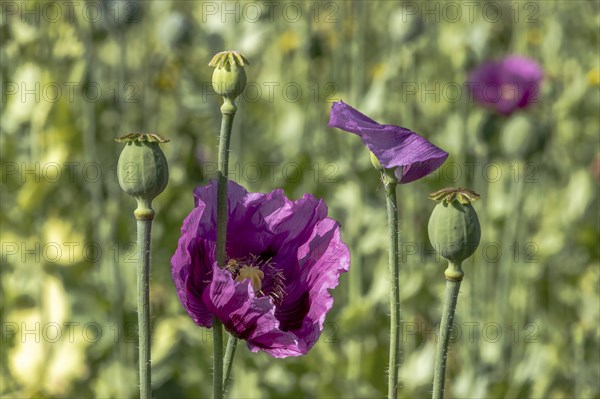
<point x="454" y="276"/>
<point x="144" y="227"/>
<point x="228" y="361"/>
<point x="217" y="358"/>
<point x="394" y="359"/>
<point x="228" y="113"/>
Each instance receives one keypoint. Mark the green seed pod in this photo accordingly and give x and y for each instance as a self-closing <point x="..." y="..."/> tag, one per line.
<point x="142" y="170"/>
<point x="229" y="77"/>
<point x="519" y="137"/>
<point x="454" y="229"/>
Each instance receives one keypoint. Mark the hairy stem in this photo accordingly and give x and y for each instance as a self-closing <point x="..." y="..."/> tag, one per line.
<point x="217" y="358"/>
<point x="228" y="113"/>
<point x="224" y="139"/>
<point x="228" y="361"/>
<point x="144" y="226"/>
<point x="394" y="359"/>
<point x="454" y="277"/>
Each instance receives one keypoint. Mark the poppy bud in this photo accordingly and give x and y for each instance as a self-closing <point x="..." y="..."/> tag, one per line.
<point x="375" y="162"/>
<point x="387" y="175"/>
<point x="229" y="77"/>
<point x="454" y="229"/>
<point x="142" y="170"/>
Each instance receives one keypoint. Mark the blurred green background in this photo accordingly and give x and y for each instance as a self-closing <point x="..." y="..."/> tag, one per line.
<point x="77" y="75"/>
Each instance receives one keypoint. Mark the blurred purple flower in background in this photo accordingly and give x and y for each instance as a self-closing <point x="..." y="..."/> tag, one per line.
<point x="282" y="258"/>
<point x="408" y="154"/>
<point x="507" y="84"/>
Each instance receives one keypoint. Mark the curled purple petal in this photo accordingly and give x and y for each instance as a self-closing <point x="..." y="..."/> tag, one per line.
<point x="283" y="257"/>
<point x="408" y="154"/>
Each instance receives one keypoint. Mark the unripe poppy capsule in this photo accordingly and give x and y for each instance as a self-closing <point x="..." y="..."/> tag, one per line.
<point x="454" y="229"/>
<point x="142" y="170"/>
<point x="229" y="77"/>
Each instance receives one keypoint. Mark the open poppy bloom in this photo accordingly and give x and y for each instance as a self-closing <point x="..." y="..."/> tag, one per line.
<point x="283" y="257"/>
<point x="409" y="155"/>
<point x="507" y="84"/>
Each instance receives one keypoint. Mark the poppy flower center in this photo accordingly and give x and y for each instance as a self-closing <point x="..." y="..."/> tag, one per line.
<point x="508" y="92"/>
<point x="265" y="277"/>
<point x="254" y="274"/>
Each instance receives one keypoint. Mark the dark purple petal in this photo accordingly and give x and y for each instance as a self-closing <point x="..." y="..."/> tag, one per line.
<point x="247" y="317"/>
<point x="187" y="258"/>
<point x="202" y="262"/>
<point x="293" y="224"/>
<point x="507" y="84"/>
<point x="394" y="146"/>
<point x="205" y="197"/>
<point x="321" y="260"/>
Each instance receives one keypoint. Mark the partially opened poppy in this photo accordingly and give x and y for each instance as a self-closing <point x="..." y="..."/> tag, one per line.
<point x="283" y="257"/>
<point x="508" y="84"/>
<point x="409" y="155"/>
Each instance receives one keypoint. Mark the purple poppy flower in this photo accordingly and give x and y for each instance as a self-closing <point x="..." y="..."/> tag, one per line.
<point x="507" y="84"/>
<point x="408" y="154"/>
<point x="282" y="258"/>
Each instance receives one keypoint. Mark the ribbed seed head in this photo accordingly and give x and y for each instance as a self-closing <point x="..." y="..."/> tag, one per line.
<point x="142" y="169"/>
<point x="454" y="229"/>
<point x="229" y="78"/>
